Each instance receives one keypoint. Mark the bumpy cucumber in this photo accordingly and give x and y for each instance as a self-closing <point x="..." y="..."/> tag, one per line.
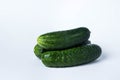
<point x="38" y="50"/>
<point x="63" y="39"/>
<point x="71" y="57"/>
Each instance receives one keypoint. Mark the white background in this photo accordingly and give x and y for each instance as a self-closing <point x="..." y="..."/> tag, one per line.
<point x="22" y="21"/>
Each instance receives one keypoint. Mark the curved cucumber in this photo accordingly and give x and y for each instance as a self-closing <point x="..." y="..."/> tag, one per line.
<point x="63" y="39"/>
<point x="71" y="57"/>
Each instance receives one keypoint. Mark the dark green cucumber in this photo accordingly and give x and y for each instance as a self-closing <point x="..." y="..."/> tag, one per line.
<point x="63" y="39"/>
<point x="38" y="50"/>
<point x="71" y="57"/>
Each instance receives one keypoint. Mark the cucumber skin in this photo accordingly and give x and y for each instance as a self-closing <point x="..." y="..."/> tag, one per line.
<point x="71" y="57"/>
<point x="38" y="50"/>
<point x="61" y="39"/>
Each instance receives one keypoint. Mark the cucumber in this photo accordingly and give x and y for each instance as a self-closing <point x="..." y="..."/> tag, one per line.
<point x="71" y="57"/>
<point x="38" y="50"/>
<point x="63" y="39"/>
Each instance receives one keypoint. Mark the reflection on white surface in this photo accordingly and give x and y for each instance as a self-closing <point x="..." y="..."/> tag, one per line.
<point x="21" y="22"/>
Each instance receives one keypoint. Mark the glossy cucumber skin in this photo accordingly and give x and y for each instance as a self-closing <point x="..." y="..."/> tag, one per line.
<point x="71" y="57"/>
<point x="63" y="39"/>
<point x="38" y="50"/>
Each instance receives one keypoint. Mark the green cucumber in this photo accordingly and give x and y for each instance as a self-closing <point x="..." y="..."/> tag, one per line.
<point x="38" y="50"/>
<point x="63" y="39"/>
<point x="71" y="57"/>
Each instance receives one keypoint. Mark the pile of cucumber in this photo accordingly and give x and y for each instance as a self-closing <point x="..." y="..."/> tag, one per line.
<point x="66" y="48"/>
